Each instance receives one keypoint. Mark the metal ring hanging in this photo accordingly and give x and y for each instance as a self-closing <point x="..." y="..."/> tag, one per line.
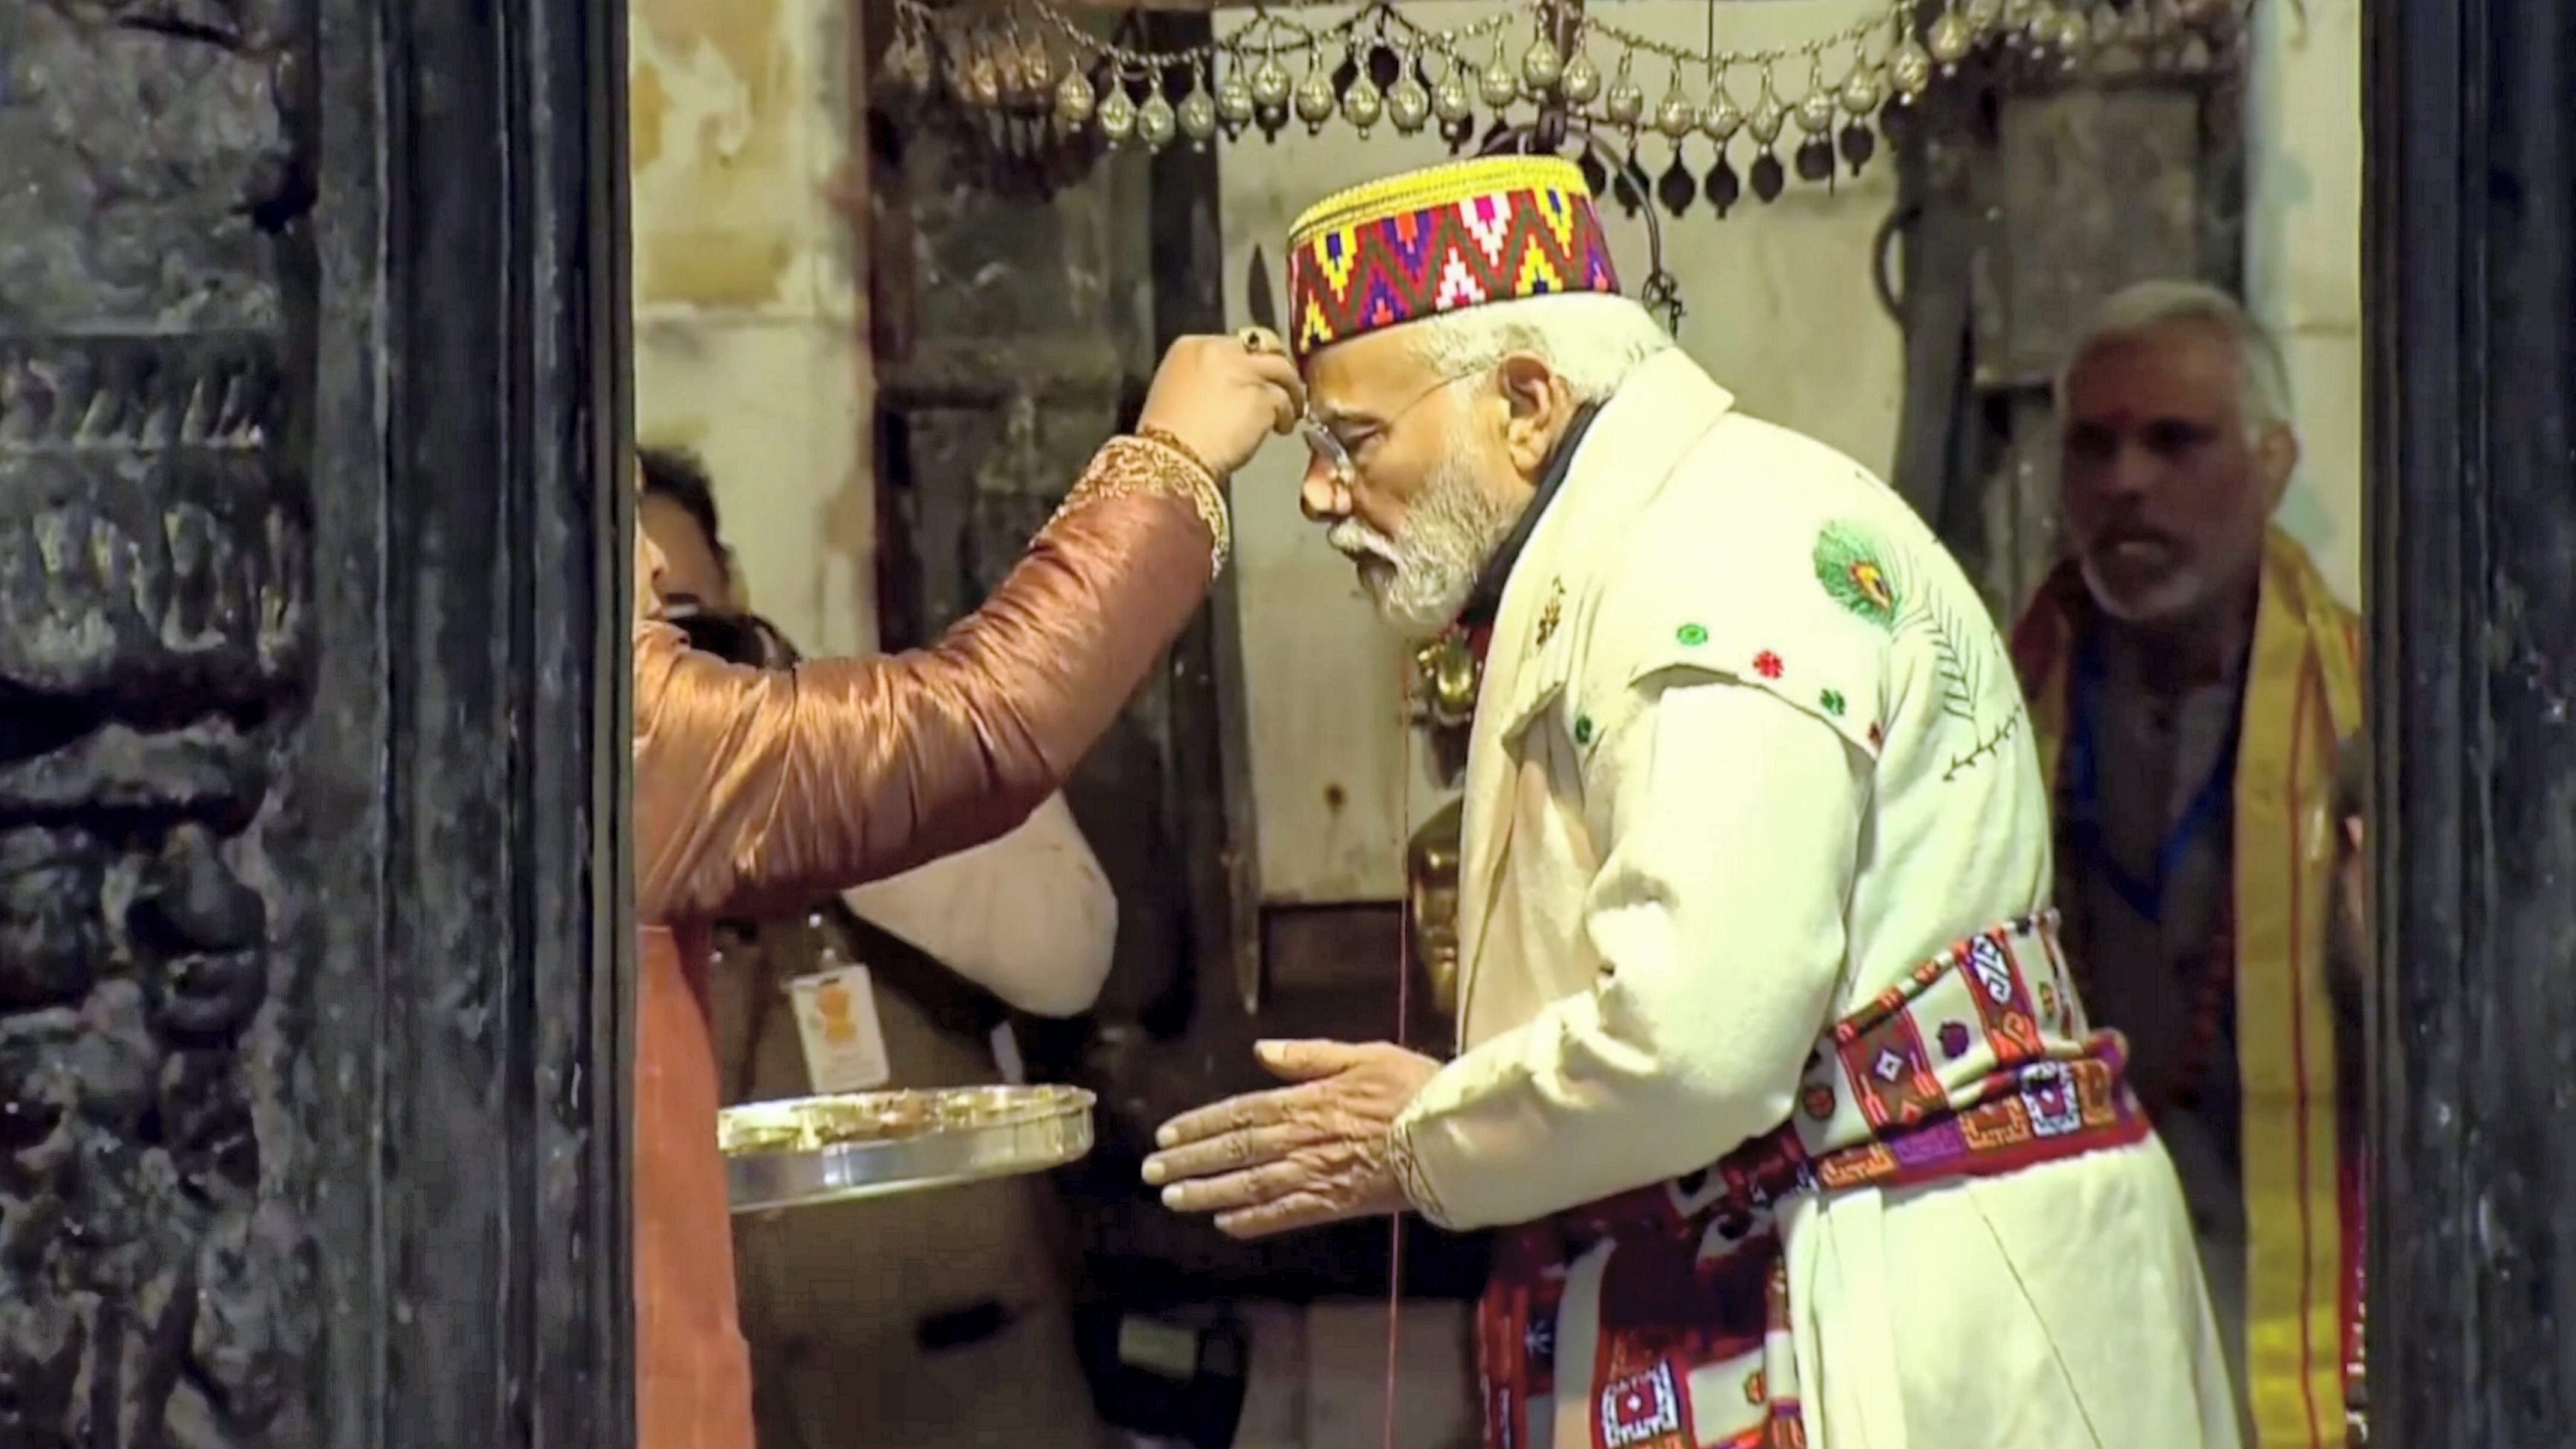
<point x="1662" y="292"/>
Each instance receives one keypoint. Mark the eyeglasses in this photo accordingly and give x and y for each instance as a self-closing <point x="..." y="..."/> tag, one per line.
<point x="1336" y="455"/>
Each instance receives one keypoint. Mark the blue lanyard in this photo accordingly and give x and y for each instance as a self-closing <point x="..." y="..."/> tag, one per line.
<point x="2209" y="806"/>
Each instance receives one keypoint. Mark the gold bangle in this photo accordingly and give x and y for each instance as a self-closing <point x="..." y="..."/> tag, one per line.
<point x="1172" y="440"/>
<point x="1132" y="465"/>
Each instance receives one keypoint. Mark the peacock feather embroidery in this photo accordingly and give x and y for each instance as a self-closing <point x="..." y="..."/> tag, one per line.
<point x="1882" y="585"/>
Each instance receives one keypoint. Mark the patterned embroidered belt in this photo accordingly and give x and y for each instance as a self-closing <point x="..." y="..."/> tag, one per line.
<point x="1692" y="1341"/>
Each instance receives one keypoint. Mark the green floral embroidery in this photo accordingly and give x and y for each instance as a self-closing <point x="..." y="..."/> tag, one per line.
<point x="1583" y="729"/>
<point x="1832" y="700"/>
<point x="1875" y="583"/>
<point x="1692" y="635"/>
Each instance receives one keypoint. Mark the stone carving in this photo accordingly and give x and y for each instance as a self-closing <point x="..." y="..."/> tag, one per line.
<point x="156" y="299"/>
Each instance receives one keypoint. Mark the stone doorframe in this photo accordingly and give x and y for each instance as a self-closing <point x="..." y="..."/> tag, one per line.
<point x="313" y="725"/>
<point x="2470" y="301"/>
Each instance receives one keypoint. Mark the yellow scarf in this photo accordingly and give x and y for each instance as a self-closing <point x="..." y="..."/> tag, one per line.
<point x="2303" y="697"/>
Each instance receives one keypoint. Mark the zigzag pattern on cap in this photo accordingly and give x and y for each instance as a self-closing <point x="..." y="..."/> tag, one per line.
<point x="1461" y="235"/>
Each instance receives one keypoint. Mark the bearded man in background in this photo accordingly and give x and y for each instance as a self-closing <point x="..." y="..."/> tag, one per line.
<point x="1769" y="1068"/>
<point x="2192" y="678"/>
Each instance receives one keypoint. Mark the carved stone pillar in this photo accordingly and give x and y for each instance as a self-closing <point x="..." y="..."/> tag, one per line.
<point x="311" y="732"/>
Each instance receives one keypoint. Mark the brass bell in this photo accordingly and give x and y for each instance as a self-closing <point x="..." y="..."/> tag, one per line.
<point x="1431" y="898"/>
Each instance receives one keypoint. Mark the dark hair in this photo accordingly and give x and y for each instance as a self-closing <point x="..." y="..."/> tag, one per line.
<point x="676" y="476"/>
<point x="737" y="638"/>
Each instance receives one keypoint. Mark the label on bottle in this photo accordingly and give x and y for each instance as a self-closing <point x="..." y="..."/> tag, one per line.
<point x="836" y="1013"/>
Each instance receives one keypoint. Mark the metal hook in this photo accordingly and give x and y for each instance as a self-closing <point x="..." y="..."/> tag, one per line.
<point x="1662" y="292"/>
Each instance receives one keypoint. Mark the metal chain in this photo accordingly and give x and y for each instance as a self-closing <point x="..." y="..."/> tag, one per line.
<point x="1711" y="58"/>
<point x="1271" y="34"/>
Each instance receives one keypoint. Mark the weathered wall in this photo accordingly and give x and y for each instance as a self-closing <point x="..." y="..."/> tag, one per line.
<point x="750" y="322"/>
<point x="2303" y="257"/>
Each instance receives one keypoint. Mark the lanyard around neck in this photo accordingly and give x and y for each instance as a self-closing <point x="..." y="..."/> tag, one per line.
<point x="2208" y="809"/>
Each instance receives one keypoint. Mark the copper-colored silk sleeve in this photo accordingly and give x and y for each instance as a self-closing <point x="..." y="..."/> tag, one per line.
<point x="762" y="789"/>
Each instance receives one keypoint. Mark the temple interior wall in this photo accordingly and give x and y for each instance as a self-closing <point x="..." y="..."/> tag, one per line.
<point x="750" y="336"/>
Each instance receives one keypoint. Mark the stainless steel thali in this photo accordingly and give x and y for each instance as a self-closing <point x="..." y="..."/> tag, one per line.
<point x="812" y="1150"/>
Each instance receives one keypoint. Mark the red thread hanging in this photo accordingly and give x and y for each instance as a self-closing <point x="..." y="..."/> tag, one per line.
<point x="1403" y="1020"/>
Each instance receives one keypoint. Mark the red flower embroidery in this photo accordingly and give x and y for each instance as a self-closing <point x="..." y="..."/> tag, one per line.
<point x="1876" y="734"/>
<point x="1767" y="664"/>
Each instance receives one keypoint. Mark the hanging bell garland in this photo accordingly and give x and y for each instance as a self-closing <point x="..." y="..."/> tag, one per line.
<point x="1862" y="82"/>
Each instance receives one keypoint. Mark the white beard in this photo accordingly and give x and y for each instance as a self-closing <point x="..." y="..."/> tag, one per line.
<point x="1421" y="580"/>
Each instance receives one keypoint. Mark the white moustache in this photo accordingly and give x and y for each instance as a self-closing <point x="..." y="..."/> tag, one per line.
<point x="1356" y="540"/>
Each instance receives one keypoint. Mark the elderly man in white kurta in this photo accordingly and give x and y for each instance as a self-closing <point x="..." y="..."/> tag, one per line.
<point x="1769" y="1066"/>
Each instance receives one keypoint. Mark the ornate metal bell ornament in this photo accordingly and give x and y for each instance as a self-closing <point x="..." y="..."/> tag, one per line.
<point x="1451" y="102"/>
<point x="1363" y="104"/>
<point x="1909" y="68"/>
<point x="1498" y="86"/>
<point x="1234" y="103"/>
<point x="1198" y="115"/>
<point x="1861" y="92"/>
<point x="1408" y="101"/>
<point x="1315" y="98"/>
<point x="1117" y="115"/>
<point x="1815" y="112"/>
<point x="1769" y="116"/>
<point x="1581" y="81"/>
<point x="1156" y="123"/>
<point x="1074" y="103"/>
<point x="1271" y="83"/>
<point x="1627" y="101"/>
<point x="1542" y="69"/>
<point x="1674" y="114"/>
<point x="1721" y="118"/>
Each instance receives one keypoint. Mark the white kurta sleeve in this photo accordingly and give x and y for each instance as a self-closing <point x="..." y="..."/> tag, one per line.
<point x="1029" y="917"/>
<point x="1718" y="910"/>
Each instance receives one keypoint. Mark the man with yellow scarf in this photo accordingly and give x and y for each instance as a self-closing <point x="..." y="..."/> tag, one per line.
<point x="2191" y="680"/>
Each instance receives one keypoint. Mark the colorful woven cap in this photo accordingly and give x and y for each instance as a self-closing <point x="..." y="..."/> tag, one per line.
<point x="1495" y="229"/>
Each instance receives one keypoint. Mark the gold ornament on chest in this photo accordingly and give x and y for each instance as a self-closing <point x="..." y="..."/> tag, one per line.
<point x="1445" y="675"/>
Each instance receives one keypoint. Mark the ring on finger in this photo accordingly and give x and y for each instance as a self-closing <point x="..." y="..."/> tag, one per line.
<point x="1259" y="341"/>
